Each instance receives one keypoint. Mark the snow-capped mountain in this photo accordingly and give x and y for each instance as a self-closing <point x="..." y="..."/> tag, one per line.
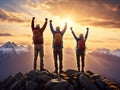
<point x="115" y="52"/>
<point x="10" y="48"/>
<point x="14" y="58"/>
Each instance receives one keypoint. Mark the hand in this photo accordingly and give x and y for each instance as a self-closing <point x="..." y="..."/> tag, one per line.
<point x="33" y="18"/>
<point x="87" y="28"/>
<point x="71" y="28"/>
<point x="46" y="19"/>
<point x="50" y="21"/>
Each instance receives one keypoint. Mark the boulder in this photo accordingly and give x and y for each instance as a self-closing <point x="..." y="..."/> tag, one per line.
<point x="89" y="72"/>
<point x="100" y="83"/>
<point x="87" y="83"/>
<point x="31" y="75"/>
<point x="8" y="82"/>
<point x="45" y="72"/>
<point x="71" y="72"/>
<point x="56" y="84"/>
<point x="19" y="76"/>
<point x="18" y="85"/>
<point x="43" y="78"/>
<point x="95" y="76"/>
<point x="31" y="85"/>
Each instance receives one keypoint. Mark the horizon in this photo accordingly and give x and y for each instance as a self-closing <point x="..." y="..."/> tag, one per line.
<point x="16" y="16"/>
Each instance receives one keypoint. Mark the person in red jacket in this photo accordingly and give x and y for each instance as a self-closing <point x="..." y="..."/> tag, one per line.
<point x="80" y="48"/>
<point x="38" y="42"/>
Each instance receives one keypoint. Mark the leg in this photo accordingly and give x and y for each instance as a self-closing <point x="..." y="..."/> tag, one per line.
<point x="41" y="57"/>
<point x="60" y="61"/>
<point x="83" y="61"/>
<point x="35" y="57"/>
<point x="55" y="60"/>
<point x="78" y="61"/>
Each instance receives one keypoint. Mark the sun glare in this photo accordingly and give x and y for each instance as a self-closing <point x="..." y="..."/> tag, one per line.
<point x="68" y="21"/>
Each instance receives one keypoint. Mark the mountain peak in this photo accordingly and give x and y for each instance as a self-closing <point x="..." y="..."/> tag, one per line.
<point x="69" y="80"/>
<point x="9" y="45"/>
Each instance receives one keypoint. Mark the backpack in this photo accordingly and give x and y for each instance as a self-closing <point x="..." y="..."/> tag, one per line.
<point x="57" y="39"/>
<point x="81" y="44"/>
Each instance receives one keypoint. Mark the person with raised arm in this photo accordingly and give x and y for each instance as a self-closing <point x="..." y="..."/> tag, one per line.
<point x="58" y="46"/>
<point x="80" y="48"/>
<point x="38" y="42"/>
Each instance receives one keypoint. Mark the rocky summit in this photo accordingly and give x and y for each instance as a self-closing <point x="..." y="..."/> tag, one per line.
<point x="69" y="80"/>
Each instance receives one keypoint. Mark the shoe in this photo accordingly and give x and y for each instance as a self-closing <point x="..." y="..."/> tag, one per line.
<point x="61" y="71"/>
<point x="82" y="71"/>
<point x="42" y="69"/>
<point x="55" y="71"/>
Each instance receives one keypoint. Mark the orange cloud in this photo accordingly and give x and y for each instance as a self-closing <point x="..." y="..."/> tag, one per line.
<point x="8" y="16"/>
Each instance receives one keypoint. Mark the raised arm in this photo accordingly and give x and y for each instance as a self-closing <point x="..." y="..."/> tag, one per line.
<point x="32" y="23"/>
<point x="45" y="24"/>
<point x="86" y="35"/>
<point x="51" y="27"/>
<point x="64" y="29"/>
<point x="73" y="33"/>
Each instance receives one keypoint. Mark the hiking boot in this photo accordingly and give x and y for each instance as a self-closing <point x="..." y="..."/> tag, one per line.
<point x="61" y="71"/>
<point x="82" y="70"/>
<point x="55" y="71"/>
<point x="42" y="69"/>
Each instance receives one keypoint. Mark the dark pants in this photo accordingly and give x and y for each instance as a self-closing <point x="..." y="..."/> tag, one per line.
<point x="80" y="54"/>
<point x="38" y="49"/>
<point x="58" y="53"/>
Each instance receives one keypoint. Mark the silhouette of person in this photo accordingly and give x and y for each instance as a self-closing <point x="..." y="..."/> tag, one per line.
<point x="38" y="42"/>
<point x="80" y="48"/>
<point x="58" y="46"/>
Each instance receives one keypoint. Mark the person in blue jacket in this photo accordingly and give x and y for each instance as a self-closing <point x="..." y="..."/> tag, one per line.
<point x="80" y="48"/>
<point x="58" y="46"/>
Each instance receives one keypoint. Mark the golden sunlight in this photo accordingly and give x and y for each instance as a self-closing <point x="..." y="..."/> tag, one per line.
<point x="67" y="20"/>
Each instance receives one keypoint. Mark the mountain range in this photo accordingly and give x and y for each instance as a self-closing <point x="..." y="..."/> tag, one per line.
<point x="105" y="51"/>
<point x="14" y="58"/>
<point x="9" y="49"/>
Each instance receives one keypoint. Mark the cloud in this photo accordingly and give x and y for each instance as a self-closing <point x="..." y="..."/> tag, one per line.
<point x="83" y="10"/>
<point x="5" y="34"/>
<point x="10" y="16"/>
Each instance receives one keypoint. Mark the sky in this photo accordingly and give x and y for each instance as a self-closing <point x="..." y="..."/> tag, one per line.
<point x="101" y="16"/>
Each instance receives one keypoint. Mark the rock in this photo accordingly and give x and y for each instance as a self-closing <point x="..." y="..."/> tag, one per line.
<point x="89" y="72"/>
<point x="56" y="84"/>
<point x="45" y="72"/>
<point x="31" y="85"/>
<point x="54" y="75"/>
<point x="19" y="76"/>
<point x="100" y="83"/>
<point x="31" y="75"/>
<point x="71" y="88"/>
<point x="8" y="82"/>
<point x="43" y="78"/>
<point x="95" y="76"/>
<point x="74" y="84"/>
<point x="18" y="85"/>
<point x="71" y="72"/>
<point x="69" y="80"/>
<point x="87" y="83"/>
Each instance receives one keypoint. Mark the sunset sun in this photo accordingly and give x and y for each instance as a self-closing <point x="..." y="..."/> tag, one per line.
<point x="68" y="21"/>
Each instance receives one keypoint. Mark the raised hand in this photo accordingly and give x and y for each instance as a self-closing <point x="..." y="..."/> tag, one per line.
<point x="50" y="21"/>
<point x="33" y="18"/>
<point x="87" y="28"/>
<point x="46" y="19"/>
<point x="71" y="28"/>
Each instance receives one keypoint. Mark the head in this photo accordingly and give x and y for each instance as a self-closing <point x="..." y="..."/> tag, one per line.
<point x="38" y="26"/>
<point x="57" y="28"/>
<point x="81" y="36"/>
